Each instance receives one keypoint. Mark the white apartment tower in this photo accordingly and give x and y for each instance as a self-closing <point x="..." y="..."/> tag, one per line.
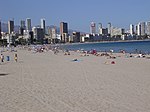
<point x="43" y="24"/>
<point x="143" y="28"/>
<point x="139" y="29"/>
<point x="148" y="28"/>
<point x="131" y="29"/>
<point x="0" y="30"/>
<point x="93" y="28"/>
<point x="100" y="28"/>
<point x="109" y="28"/>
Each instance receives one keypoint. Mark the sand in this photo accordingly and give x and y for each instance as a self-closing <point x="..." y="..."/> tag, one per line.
<point x="44" y="82"/>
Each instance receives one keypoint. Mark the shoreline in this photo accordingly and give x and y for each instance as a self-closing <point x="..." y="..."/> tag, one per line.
<point x="122" y="41"/>
<point x="134" y="46"/>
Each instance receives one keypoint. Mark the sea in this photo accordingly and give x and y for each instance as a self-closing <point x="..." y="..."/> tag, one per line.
<point x="128" y="46"/>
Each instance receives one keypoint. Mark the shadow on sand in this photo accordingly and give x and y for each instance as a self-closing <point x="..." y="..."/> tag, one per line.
<point x="3" y="74"/>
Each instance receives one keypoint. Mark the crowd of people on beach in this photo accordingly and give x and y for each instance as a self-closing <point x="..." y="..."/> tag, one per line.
<point x="57" y="49"/>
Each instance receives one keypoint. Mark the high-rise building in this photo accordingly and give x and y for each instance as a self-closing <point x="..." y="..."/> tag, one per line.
<point x="93" y="28"/>
<point x="148" y="28"/>
<point x="0" y="30"/>
<point x="76" y="36"/>
<point x="100" y="25"/>
<point x="117" y="31"/>
<point x="54" y="32"/>
<point x="100" y="28"/>
<point x="22" y="27"/>
<point x="38" y="34"/>
<point x="139" y="29"/>
<point x="22" y="24"/>
<point x="10" y="26"/>
<point x="43" y="24"/>
<point x="49" y="31"/>
<point x="136" y="29"/>
<point x="64" y="32"/>
<point x="31" y="39"/>
<point x="28" y="26"/>
<point x="104" y="31"/>
<point x="143" y="28"/>
<point x="109" y="28"/>
<point x="63" y="27"/>
<point x="131" y="29"/>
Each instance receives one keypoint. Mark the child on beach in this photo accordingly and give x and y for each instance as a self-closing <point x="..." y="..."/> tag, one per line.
<point x="16" y="57"/>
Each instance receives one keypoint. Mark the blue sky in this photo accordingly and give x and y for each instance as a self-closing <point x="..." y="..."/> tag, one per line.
<point x="78" y="13"/>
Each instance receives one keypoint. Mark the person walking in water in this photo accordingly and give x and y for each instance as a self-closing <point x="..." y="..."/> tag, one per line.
<point x="16" y="57"/>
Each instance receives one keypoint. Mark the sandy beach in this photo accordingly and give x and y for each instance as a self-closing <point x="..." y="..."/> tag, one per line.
<point x="45" y="82"/>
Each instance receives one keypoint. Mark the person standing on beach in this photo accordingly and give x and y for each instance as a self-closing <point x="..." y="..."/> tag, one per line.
<point x="16" y="57"/>
<point x="2" y="58"/>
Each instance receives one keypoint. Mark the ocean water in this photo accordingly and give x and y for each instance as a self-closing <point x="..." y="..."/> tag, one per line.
<point x="130" y="47"/>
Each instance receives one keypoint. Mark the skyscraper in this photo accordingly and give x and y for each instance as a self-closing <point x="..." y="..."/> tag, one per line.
<point x="43" y="24"/>
<point x="76" y="36"/>
<point x="28" y="26"/>
<point x="131" y="29"/>
<point x="0" y="30"/>
<point x="54" y="32"/>
<point x="22" y="24"/>
<point x="136" y="29"/>
<point x="10" y="26"/>
<point x="64" y="31"/>
<point x="143" y="28"/>
<point x="109" y="28"/>
<point x="100" y="28"/>
<point x="22" y="27"/>
<point x="38" y="34"/>
<point x="148" y="28"/>
<point x="93" y="28"/>
<point x="139" y="29"/>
